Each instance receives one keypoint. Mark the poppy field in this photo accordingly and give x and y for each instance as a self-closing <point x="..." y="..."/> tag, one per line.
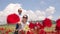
<point x="46" y="27"/>
<point x="9" y="29"/>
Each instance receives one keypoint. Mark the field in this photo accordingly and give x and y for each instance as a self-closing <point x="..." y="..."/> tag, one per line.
<point x="10" y="29"/>
<point x="7" y="29"/>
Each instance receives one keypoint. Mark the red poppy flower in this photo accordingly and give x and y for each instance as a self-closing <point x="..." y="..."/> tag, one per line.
<point x="58" y="23"/>
<point x="47" y="22"/>
<point x="2" y="29"/>
<point x="22" y="32"/>
<point x="30" y="32"/>
<point x="12" y="19"/>
<point x="41" y="32"/>
<point x="2" y="33"/>
<point x="9" y="30"/>
<point x="31" y="25"/>
<point x="49" y="33"/>
<point x="38" y="25"/>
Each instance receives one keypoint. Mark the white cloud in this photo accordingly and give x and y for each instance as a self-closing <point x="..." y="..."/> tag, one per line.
<point x="32" y="15"/>
<point x="50" y="17"/>
<point x="24" y="12"/>
<point x="12" y="8"/>
<point x="40" y="15"/>
<point x="2" y="18"/>
<point x="50" y="10"/>
<point x="1" y="13"/>
<point x="37" y="15"/>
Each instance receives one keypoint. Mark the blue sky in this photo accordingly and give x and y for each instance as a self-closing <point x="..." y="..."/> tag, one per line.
<point x="34" y="5"/>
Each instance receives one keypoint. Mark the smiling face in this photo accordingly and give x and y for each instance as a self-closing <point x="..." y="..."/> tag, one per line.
<point x="24" y="19"/>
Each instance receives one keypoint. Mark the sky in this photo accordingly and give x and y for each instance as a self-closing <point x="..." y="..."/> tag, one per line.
<point x="50" y="7"/>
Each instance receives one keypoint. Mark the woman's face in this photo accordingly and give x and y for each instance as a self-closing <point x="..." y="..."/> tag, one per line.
<point x="19" y="11"/>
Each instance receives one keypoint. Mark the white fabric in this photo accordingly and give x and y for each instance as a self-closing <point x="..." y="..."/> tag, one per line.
<point x="27" y="23"/>
<point x="22" y="25"/>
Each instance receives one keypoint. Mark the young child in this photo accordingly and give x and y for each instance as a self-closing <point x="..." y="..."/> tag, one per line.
<point x="23" y="24"/>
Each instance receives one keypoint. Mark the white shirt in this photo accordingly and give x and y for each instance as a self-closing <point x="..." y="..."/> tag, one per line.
<point x="22" y="25"/>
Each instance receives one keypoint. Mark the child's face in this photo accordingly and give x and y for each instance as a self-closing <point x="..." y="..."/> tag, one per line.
<point x="24" y="20"/>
